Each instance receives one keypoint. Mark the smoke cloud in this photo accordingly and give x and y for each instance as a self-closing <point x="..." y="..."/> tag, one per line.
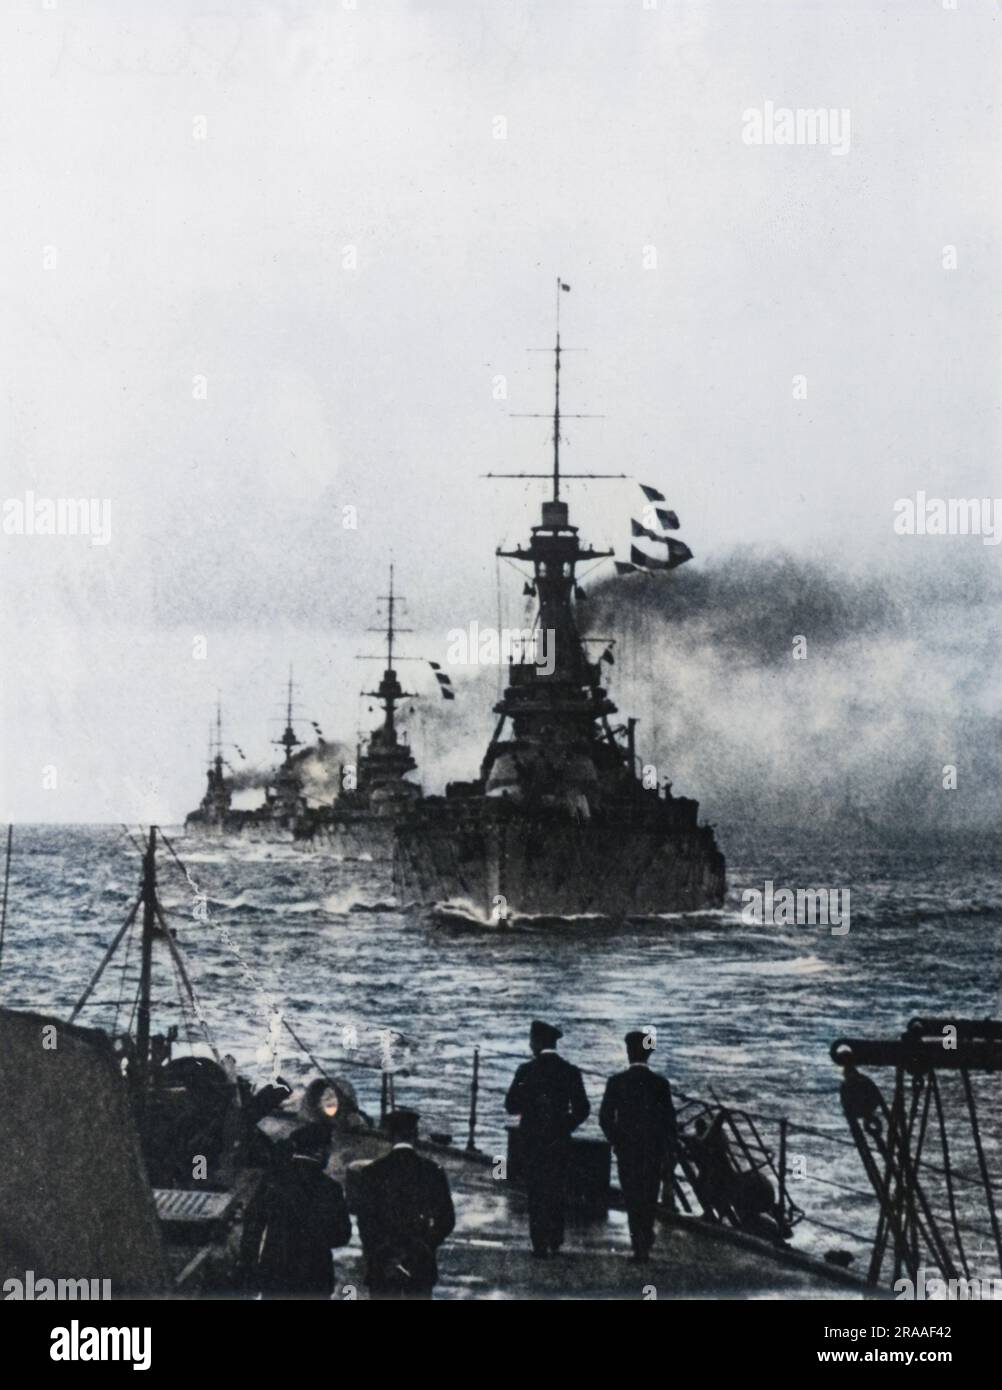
<point x="788" y="692"/>
<point x="318" y="767"/>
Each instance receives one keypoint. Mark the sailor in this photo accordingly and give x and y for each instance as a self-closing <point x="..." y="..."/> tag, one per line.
<point x="742" y="1195"/>
<point x="302" y="1217"/>
<point x="637" y="1117"/>
<point x="405" y="1212"/>
<point x="549" y="1096"/>
<point x="860" y="1095"/>
<point x="708" y="1149"/>
<point x="333" y="1102"/>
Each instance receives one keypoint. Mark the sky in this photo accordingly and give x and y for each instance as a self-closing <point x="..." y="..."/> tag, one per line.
<point x="268" y="268"/>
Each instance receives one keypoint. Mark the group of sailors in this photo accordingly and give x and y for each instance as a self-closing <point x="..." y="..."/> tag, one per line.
<point x="637" y="1117"/>
<point x="402" y="1200"/>
<point x="403" y="1207"/>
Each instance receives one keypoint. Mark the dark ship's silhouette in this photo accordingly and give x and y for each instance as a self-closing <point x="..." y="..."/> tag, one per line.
<point x="215" y="807"/>
<point x="376" y="790"/>
<point x="319" y="795"/>
<point x="558" y="823"/>
<point x="284" y="805"/>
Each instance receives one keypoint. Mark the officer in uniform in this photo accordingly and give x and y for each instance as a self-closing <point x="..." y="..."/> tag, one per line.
<point x="637" y="1117"/>
<point x="301" y="1216"/>
<point x="549" y="1096"/>
<point x="405" y="1212"/>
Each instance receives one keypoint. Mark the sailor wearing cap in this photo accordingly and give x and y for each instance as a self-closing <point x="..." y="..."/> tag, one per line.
<point x="405" y="1213"/>
<point x="302" y="1216"/>
<point x="549" y="1096"/>
<point x="638" y="1119"/>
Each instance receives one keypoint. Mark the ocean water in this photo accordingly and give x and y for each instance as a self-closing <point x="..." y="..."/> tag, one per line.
<point x="746" y="1013"/>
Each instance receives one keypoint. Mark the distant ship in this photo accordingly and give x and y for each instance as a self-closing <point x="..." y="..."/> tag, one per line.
<point x="377" y="789"/>
<point x="558" y="823"/>
<point x="215" y="807"/>
<point x="320" y="795"/>
<point x="284" y="803"/>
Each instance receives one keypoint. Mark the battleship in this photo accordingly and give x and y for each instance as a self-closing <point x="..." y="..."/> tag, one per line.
<point x="376" y="791"/>
<point x="558" y="823"/>
<point x="319" y="795"/>
<point x="284" y="806"/>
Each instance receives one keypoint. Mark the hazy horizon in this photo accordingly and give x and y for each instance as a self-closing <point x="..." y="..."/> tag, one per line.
<point x="265" y="265"/>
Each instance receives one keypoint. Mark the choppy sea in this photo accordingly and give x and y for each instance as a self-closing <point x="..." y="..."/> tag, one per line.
<point x="743" y="1012"/>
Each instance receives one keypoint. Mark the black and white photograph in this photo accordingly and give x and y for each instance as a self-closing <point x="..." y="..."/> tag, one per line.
<point x="501" y="739"/>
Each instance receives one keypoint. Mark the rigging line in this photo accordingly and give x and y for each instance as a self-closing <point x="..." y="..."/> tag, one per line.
<point x="951" y="1197"/>
<point x="265" y="999"/>
<point x="591" y="568"/>
<point x="105" y="959"/>
<point x="185" y="1020"/>
<point x="6" y="885"/>
<point x="135" y="1007"/>
<point x="178" y="959"/>
<point x="982" y="1162"/>
<point x="121" y="990"/>
<point x="321" y="1068"/>
<point x="132" y="840"/>
<point x="263" y="996"/>
<point x="522" y="574"/>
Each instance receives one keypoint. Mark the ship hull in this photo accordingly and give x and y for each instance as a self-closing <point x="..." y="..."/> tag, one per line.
<point x="351" y="837"/>
<point x="513" y="869"/>
<point x="239" y="825"/>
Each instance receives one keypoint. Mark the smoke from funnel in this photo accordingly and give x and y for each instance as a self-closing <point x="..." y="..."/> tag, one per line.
<point x="895" y="680"/>
<point x="773" y="687"/>
<point x="318" y="768"/>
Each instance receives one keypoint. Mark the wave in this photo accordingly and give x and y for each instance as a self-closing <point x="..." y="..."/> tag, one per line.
<point x="352" y="900"/>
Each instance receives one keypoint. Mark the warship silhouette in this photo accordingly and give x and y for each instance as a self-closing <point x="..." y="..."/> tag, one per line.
<point x="319" y="794"/>
<point x="374" y="792"/>
<point x="284" y="804"/>
<point x="558" y="823"/>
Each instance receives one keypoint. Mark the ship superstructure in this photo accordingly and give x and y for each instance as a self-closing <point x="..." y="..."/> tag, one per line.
<point x="377" y="789"/>
<point x="285" y="800"/>
<point x="280" y="793"/>
<point x="215" y="806"/>
<point x="558" y="823"/>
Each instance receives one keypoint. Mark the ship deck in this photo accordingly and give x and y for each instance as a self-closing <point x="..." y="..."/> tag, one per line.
<point x="488" y="1254"/>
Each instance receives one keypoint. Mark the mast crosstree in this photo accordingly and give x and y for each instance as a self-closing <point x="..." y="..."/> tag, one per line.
<point x="555" y="700"/>
<point x="387" y="758"/>
<point x="289" y="741"/>
<point x="389" y="691"/>
<point x="557" y="416"/>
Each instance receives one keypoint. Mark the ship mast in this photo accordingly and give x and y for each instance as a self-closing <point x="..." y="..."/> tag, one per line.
<point x="557" y="416"/>
<point x="390" y="600"/>
<point x="561" y="704"/>
<point x="148" y="898"/>
<point x="556" y="405"/>
<point x="389" y="691"/>
<point x="218" y="760"/>
<point x="555" y="550"/>
<point x="288" y="741"/>
<point x="153" y="927"/>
